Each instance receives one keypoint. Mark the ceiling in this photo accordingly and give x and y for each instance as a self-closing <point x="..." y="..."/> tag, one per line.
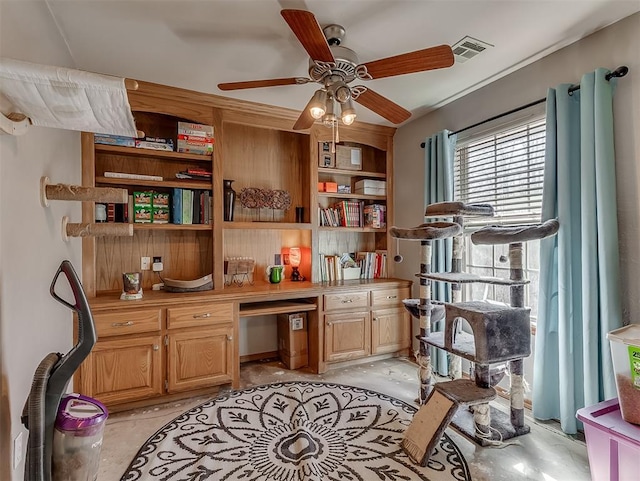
<point x="196" y="44"/>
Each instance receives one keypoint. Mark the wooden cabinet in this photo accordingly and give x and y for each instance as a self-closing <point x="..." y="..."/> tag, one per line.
<point x="390" y="330"/>
<point x="148" y="352"/>
<point x="199" y="358"/>
<point x="200" y="346"/>
<point x="123" y="369"/>
<point x="390" y="321"/>
<point x="351" y="332"/>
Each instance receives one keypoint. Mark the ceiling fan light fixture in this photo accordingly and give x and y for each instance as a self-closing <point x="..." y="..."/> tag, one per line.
<point x="348" y="112"/>
<point x="329" y="117"/>
<point x="317" y="106"/>
<point x="342" y="93"/>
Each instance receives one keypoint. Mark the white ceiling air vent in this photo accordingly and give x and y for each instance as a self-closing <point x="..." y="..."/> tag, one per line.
<point x="468" y="48"/>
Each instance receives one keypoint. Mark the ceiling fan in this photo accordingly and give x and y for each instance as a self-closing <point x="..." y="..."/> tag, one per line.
<point x="334" y="67"/>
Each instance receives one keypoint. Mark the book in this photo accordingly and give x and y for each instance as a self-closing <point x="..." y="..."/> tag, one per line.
<point x="187" y="206"/>
<point x="195" y="207"/>
<point x="197" y="130"/>
<point x="124" y="175"/>
<point x="143" y="144"/>
<point x="119" y="140"/>
<point x="176" y="206"/>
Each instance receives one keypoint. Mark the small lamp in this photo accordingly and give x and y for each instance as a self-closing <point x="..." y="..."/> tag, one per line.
<point x="348" y="113"/>
<point x="295" y="256"/>
<point x="317" y="106"/>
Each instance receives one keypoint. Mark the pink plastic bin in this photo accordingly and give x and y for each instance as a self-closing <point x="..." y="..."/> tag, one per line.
<point x="613" y="445"/>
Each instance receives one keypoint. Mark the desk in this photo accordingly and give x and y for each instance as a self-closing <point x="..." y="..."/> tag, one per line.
<point x="170" y="345"/>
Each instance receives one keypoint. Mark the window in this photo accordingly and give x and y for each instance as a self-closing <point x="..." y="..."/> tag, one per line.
<point x="504" y="168"/>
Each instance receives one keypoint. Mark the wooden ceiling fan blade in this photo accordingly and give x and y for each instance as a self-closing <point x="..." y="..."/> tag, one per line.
<point x="252" y="84"/>
<point x="305" y="120"/>
<point x="383" y="106"/>
<point x="418" y="61"/>
<point x="307" y="29"/>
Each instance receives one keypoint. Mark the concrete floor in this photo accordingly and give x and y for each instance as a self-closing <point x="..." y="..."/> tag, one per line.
<point x="543" y="455"/>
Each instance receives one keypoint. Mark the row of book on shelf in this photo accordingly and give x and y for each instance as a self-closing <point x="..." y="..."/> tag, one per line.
<point x="191" y="139"/>
<point x="353" y="213"/>
<point x="356" y="265"/>
<point x="182" y="206"/>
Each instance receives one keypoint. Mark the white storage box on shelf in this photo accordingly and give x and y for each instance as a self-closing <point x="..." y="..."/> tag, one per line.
<point x="371" y="187"/>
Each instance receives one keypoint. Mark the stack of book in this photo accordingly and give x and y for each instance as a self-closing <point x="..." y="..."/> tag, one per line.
<point x="375" y="215"/>
<point x="155" y="143"/>
<point x="199" y="174"/>
<point x="346" y="213"/>
<point x="190" y="206"/>
<point x="150" y="207"/>
<point x="195" y="138"/>
<point x="372" y="265"/>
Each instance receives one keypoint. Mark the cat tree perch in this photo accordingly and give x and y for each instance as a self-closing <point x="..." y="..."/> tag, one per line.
<point x="49" y="96"/>
<point x="91" y="194"/>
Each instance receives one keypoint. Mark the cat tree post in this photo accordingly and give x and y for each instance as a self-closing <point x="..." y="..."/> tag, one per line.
<point x="423" y="356"/>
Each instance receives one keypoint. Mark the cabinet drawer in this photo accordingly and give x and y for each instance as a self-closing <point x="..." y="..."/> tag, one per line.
<point x="389" y="297"/>
<point x="132" y="321"/>
<point x="199" y="315"/>
<point x="346" y="300"/>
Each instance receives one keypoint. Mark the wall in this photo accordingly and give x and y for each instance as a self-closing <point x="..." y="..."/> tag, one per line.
<point x="32" y="323"/>
<point x="618" y="44"/>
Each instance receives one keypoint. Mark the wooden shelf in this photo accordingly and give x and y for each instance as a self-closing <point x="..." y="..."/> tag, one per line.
<point x="337" y="195"/>
<point x="274" y="307"/>
<point x="156" y="154"/>
<point x="152" y="226"/>
<point x="353" y="173"/>
<point x="182" y="184"/>
<point x="352" y="229"/>
<point x="267" y="225"/>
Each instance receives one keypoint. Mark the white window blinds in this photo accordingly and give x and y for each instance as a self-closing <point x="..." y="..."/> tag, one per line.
<point x="504" y="169"/>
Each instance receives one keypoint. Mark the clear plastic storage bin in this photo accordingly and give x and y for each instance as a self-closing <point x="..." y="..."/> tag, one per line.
<point x="77" y="438"/>
<point x="625" y="350"/>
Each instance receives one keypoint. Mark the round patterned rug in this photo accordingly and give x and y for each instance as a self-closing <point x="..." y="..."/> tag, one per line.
<point x="293" y="431"/>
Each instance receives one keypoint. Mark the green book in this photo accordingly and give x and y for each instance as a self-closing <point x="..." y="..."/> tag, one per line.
<point x="187" y="206"/>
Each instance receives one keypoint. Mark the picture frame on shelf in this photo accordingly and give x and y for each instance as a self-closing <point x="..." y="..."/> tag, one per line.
<point x="326" y="158"/>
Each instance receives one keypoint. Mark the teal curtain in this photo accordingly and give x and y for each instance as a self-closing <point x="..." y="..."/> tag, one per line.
<point x="438" y="166"/>
<point x="579" y="300"/>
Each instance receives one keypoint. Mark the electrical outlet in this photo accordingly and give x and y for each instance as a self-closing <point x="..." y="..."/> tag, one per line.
<point x="145" y="263"/>
<point x="296" y="323"/>
<point x="157" y="264"/>
<point x="17" y="451"/>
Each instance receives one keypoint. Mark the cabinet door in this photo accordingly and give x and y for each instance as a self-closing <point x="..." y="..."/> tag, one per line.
<point x="347" y="336"/>
<point x="123" y="370"/>
<point x="390" y="330"/>
<point x="200" y="358"/>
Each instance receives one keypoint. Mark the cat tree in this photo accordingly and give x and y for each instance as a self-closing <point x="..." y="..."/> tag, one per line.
<point x="499" y="334"/>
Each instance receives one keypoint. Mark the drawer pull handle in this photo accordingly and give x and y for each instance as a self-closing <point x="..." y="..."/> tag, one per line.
<point x="347" y="301"/>
<point x="329" y="324"/>
<point x="229" y="337"/>
<point x="122" y="324"/>
<point x="392" y="297"/>
<point x="202" y="316"/>
<point x="156" y="347"/>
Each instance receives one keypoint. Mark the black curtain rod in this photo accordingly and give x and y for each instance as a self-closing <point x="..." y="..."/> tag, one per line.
<point x="619" y="72"/>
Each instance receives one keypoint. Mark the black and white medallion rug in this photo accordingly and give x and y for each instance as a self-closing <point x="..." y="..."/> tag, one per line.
<point x="293" y="431"/>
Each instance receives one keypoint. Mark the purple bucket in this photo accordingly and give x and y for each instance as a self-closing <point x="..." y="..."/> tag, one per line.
<point x="81" y="415"/>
